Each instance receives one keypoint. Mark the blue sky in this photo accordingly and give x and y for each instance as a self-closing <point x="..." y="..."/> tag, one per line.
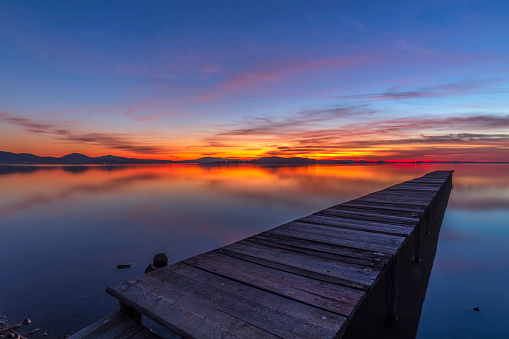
<point x="184" y="79"/>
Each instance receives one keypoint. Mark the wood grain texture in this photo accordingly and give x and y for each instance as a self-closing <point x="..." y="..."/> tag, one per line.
<point x="116" y="325"/>
<point x="305" y="278"/>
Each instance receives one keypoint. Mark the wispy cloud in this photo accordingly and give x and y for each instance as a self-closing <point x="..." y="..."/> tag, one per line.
<point x="442" y="90"/>
<point x="352" y="132"/>
<point x="275" y="71"/>
<point x="297" y="123"/>
<point x="111" y="141"/>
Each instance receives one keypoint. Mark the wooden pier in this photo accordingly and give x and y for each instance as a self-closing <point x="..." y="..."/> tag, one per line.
<point x="303" y="279"/>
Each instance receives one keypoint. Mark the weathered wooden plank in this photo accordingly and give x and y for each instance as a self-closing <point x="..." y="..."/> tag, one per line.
<point x="186" y="317"/>
<point x="379" y="210"/>
<point x="396" y="200"/>
<point x="305" y="262"/>
<point x="115" y="325"/>
<point x="385" y="207"/>
<point x="355" y="224"/>
<point x="366" y="255"/>
<point x="358" y="214"/>
<point x="402" y="189"/>
<point x="293" y="270"/>
<point x="364" y="218"/>
<point x="335" y="232"/>
<point x="385" y="202"/>
<point x="301" y="279"/>
<point x="426" y="181"/>
<point x="332" y="297"/>
<point x="316" y="249"/>
<point x="396" y="194"/>
<point x="418" y="185"/>
<point x="298" y="310"/>
<point x="143" y="335"/>
<point x="336" y="241"/>
<point x="241" y="307"/>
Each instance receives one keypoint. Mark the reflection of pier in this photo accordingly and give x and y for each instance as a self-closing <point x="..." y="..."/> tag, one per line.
<point x="312" y="277"/>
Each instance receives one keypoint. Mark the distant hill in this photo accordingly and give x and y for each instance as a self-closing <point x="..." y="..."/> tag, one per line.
<point x="22" y="158"/>
<point x="69" y="159"/>
<point x="284" y="161"/>
<point x="82" y="159"/>
<point x="206" y="160"/>
<point x="76" y="158"/>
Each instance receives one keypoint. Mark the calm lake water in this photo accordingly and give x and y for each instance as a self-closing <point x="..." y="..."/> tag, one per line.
<point x="64" y="229"/>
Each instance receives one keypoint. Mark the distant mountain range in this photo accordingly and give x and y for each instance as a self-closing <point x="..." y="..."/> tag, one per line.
<point x="81" y="159"/>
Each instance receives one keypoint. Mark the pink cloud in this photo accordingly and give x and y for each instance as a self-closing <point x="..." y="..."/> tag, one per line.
<point x="120" y="142"/>
<point x="277" y="71"/>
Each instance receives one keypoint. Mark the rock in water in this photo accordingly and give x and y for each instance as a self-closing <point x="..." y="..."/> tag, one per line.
<point x="150" y="268"/>
<point x="160" y="260"/>
<point x="27" y="321"/>
<point x="124" y="266"/>
<point x="476" y="308"/>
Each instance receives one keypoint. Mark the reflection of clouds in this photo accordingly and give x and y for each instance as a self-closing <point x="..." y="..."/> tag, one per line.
<point x="296" y="187"/>
<point x="297" y="190"/>
<point x="31" y="201"/>
<point x="192" y="225"/>
<point x="74" y="169"/>
<point x="454" y="266"/>
<point x="473" y="203"/>
<point x="456" y="236"/>
<point x="37" y="199"/>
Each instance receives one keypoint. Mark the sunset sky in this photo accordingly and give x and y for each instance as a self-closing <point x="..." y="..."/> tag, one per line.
<point x="392" y="80"/>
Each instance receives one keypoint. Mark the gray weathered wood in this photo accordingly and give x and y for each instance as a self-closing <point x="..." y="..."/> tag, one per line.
<point x="117" y="325"/>
<point x="361" y="225"/>
<point x="305" y="278"/>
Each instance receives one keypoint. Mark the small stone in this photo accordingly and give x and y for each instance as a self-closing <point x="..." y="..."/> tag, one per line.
<point x="124" y="266"/>
<point x="150" y="268"/>
<point x="160" y="260"/>
<point x="44" y="334"/>
<point x="476" y="308"/>
<point x="27" y="321"/>
<point x="34" y="331"/>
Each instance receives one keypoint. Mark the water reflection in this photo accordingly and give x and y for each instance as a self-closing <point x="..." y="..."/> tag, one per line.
<point x="65" y="228"/>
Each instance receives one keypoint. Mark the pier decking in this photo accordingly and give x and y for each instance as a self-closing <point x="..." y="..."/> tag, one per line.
<point x="305" y="278"/>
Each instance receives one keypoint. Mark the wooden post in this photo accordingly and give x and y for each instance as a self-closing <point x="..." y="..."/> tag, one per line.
<point x="391" y="291"/>
<point x="434" y="208"/>
<point x="417" y="242"/>
<point x="131" y="312"/>
<point x="427" y="219"/>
